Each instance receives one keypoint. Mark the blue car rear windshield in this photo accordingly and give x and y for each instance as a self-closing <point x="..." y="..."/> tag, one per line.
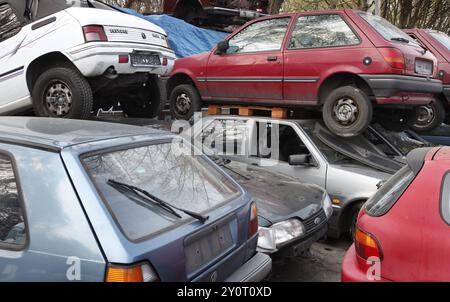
<point x="168" y="171"/>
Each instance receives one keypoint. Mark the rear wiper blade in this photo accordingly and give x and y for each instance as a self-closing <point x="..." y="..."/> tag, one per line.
<point x="144" y="195"/>
<point x="400" y="39"/>
<point x="224" y="164"/>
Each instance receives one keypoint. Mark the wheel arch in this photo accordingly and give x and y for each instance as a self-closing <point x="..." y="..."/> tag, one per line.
<point x="340" y="79"/>
<point x="179" y="79"/>
<point x="346" y="210"/>
<point x="44" y="63"/>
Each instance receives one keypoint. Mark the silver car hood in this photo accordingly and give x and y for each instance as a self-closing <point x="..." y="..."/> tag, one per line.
<point x="363" y="170"/>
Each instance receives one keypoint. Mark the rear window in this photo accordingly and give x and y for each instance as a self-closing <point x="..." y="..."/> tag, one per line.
<point x="169" y="172"/>
<point x="386" y="29"/>
<point x="445" y="198"/>
<point x="385" y="198"/>
<point x="441" y="38"/>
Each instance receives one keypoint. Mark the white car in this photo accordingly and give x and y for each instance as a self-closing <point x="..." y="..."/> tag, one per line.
<point x="58" y="56"/>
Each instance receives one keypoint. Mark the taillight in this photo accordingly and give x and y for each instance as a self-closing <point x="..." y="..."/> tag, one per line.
<point x="253" y="226"/>
<point x="367" y="246"/>
<point x="142" y="272"/>
<point x="393" y="57"/>
<point x="94" y="33"/>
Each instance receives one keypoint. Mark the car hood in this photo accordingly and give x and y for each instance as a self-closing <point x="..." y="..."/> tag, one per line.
<point x="278" y="196"/>
<point x="94" y="16"/>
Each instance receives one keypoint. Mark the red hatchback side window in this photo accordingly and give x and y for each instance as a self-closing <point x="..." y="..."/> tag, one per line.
<point x="317" y="31"/>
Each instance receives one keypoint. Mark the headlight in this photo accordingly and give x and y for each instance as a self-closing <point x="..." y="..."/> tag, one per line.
<point x="327" y="207"/>
<point x="272" y="237"/>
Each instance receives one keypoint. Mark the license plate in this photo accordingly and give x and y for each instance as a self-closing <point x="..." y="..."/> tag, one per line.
<point x="144" y="59"/>
<point x="424" y="67"/>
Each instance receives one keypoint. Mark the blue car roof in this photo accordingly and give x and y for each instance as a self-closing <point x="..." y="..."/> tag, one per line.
<point x="55" y="134"/>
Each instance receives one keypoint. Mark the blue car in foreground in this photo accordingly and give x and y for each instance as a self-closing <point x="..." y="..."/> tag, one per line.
<point x="92" y="201"/>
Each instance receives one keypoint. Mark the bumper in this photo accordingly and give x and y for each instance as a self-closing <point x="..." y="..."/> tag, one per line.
<point x="254" y="270"/>
<point x="400" y="89"/>
<point x="298" y="247"/>
<point x="230" y="12"/>
<point x="351" y="272"/>
<point x="92" y="59"/>
<point x="446" y="92"/>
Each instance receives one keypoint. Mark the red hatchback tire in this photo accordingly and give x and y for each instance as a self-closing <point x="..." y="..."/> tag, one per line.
<point x="347" y="111"/>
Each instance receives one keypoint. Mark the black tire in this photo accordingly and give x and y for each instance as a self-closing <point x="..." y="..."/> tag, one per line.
<point x="67" y="85"/>
<point x="347" y="99"/>
<point x="184" y="102"/>
<point x="352" y="219"/>
<point x="148" y="103"/>
<point x="397" y="120"/>
<point x="430" y="117"/>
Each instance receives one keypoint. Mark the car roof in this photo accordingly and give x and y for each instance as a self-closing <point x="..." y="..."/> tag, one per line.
<point x="55" y="134"/>
<point x="442" y="154"/>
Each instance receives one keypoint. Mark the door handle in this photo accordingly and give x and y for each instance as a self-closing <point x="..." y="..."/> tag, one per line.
<point x="272" y="58"/>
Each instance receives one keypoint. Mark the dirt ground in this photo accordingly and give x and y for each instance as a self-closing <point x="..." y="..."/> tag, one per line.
<point x="323" y="264"/>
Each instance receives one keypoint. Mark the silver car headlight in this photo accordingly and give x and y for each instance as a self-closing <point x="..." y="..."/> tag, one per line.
<point x="327" y="206"/>
<point x="272" y="237"/>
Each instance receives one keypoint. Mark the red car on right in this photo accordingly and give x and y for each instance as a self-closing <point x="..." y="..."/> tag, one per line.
<point x="438" y="43"/>
<point x="403" y="230"/>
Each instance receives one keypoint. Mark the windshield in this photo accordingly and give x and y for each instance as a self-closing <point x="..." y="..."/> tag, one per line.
<point x="383" y="200"/>
<point x="442" y="38"/>
<point x="389" y="31"/>
<point x="331" y="155"/>
<point x="401" y="140"/>
<point x="167" y="171"/>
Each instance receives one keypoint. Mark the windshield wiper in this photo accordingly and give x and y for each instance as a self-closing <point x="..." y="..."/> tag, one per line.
<point x="147" y="197"/>
<point x="400" y="39"/>
<point x="224" y="162"/>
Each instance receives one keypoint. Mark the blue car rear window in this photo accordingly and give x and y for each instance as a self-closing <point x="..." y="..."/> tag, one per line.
<point x="168" y="171"/>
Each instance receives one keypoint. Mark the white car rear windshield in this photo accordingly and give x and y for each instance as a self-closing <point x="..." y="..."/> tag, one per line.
<point x="166" y="170"/>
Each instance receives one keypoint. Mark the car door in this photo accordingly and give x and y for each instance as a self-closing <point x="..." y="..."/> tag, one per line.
<point x="252" y="68"/>
<point x="277" y="141"/>
<point x="12" y="70"/>
<point x="319" y="45"/>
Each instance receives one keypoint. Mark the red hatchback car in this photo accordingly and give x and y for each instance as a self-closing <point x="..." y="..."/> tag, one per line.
<point x="402" y="230"/>
<point x="438" y="43"/>
<point x="349" y="64"/>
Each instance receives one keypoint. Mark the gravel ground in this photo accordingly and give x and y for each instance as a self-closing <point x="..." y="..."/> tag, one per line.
<point x="323" y="264"/>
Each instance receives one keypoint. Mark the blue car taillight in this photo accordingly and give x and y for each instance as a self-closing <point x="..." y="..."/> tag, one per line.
<point x="253" y="225"/>
<point x="141" y="272"/>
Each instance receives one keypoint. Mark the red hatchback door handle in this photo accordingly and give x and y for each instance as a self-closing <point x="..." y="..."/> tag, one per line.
<point x="272" y="58"/>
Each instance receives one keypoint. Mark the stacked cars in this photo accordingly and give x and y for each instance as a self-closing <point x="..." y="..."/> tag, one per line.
<point x="353" y="66"/>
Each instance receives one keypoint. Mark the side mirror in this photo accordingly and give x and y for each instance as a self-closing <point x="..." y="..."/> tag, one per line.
<point x="222" y="47"/>
<point x="300" y="160"/>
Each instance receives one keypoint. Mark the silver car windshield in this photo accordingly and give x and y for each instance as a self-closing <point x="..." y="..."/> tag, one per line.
<point x="168" y="171"/>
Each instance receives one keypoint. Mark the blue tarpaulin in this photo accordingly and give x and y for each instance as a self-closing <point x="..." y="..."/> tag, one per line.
<point x="184" y="38"/>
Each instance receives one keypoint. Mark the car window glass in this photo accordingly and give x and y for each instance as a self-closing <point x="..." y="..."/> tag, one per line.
<point x="386" y="29"/>
<point x="9" y="23"/>
<point x="225" y="136"/>
<point x="445" y="198"/>
<point x="289" y="143"/>
<point x="264" y="35"/>
<point x="321" y="31"/>
<point x="442" y="38"/>
<point x="12" y="223"/>
<point x="168" y="171"/>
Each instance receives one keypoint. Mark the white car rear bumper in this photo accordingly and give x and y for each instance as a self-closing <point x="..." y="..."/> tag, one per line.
<point x="92" y="59"/>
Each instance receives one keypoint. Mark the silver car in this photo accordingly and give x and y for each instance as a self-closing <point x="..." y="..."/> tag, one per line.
<point x="350" y="169"/>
